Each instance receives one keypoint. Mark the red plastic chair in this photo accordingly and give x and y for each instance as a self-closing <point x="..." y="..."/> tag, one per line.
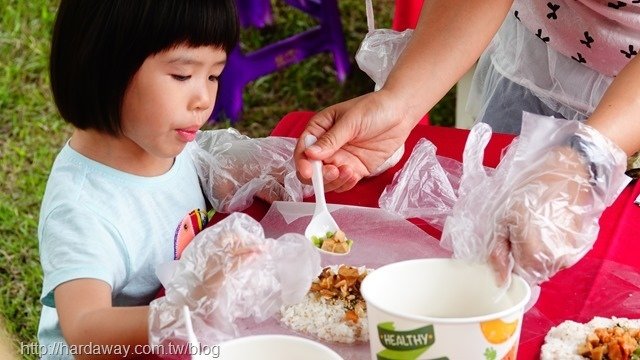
<point x="406" y="14"/>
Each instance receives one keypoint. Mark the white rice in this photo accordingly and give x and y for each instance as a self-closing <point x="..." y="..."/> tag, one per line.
<point x="324" y="319"/>
<point x="562" y="341"/>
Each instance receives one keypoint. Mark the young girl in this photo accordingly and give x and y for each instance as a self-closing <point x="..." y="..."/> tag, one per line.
<point x="136" y="79"/>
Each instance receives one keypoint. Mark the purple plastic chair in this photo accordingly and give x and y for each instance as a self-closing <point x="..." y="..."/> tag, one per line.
<point x="254" y="13"/>
<point x="243" y="68"/>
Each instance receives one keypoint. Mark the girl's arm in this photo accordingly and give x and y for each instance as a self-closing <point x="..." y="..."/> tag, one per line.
<point x="617" y="116"/>
<point x="87" y="317"/>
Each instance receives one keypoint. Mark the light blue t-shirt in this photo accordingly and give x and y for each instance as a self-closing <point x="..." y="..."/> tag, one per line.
<point x="101" y="223"/>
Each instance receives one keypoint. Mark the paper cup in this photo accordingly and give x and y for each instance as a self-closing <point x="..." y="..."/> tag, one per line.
<point x="442" y="309"/>
<point x="275" y="347"/>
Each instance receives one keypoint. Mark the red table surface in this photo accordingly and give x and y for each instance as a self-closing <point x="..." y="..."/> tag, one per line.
<point x="616" y="240"/>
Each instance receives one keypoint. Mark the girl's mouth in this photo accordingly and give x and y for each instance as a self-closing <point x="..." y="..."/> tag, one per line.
<point x="187" y="135"/>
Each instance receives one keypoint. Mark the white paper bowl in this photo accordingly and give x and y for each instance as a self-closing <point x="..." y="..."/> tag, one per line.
<point x="442" y="308"/>
<point x="275" y="347"/>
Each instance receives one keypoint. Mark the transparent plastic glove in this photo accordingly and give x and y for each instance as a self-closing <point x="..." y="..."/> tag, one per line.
<point x="380" y="49"/>
<point x="228" y="272"/>
<point x="538" y="213"/>
<point x="379" y="52"/>
<point x="234" y="168"/>
<point x="422" y="189"/>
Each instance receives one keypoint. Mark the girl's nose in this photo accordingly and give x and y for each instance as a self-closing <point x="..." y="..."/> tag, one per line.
<point x="204" y="97"/>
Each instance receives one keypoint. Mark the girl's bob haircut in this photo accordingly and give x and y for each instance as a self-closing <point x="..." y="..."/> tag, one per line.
<point x="98" y="46"/>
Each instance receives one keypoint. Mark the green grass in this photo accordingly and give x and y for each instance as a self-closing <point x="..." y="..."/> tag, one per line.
<point x="30" y="136"/>
<point x="31" y="131"/>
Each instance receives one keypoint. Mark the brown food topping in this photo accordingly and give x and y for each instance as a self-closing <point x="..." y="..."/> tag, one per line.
<point x="337" y="243"/>
<point x="613" y="343"/>
<point x="343" y="286"/>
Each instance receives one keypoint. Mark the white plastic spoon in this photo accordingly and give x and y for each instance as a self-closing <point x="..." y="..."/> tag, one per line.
<point x="322" y="221"/>
<point x="193" y="340"/>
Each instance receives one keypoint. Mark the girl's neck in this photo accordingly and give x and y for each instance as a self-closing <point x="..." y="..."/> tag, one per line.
<point x="118" y="152"/>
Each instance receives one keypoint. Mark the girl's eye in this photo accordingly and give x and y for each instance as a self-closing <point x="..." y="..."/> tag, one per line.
<point x="181" y="77"/>
<point x="213" y="78"/>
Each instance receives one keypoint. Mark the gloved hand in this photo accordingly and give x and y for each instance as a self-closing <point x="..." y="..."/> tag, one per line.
<point x="234" y="168"/>
<point x="545" y="200"/>
<point x="228" y="272"/>
<point x="549" y="220"/>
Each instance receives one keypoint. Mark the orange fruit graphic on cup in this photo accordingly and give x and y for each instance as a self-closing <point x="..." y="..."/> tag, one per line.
<point x="497" y="331"/>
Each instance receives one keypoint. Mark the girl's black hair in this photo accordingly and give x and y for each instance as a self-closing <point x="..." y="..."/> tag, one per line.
<point x="98" y="46"/>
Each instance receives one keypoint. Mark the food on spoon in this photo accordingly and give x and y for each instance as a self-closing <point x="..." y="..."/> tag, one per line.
<point x="335" y="242"/>
<point x="599" y="339"/>
<point x="333" y="309"/>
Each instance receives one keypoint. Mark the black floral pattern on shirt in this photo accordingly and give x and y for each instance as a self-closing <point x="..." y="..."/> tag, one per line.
<point x="617" y="5"/>
<point x="588" y="41"/>
<point x="631" y="53"/>
<point x="554" y="8"/>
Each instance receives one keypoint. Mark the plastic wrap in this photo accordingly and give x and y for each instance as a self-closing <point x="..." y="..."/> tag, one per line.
<point x="536" y="213"/>
<point x="380" y="49"/>
<point x="426" y="187"/>
<point x="379" y="237"/>
<point x="234" y="168"/>
<point x="231" y="271"/>
<point x="379" y="52"/>
<point x="539" y="211"/>
<point x="517" y="55"/>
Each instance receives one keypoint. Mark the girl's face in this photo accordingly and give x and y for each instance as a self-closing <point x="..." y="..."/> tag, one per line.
<point x="170" y="98"/>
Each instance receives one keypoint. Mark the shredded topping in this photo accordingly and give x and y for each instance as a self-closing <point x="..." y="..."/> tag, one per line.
<point x="344" y="287"/>
<point x="613" y="343"/>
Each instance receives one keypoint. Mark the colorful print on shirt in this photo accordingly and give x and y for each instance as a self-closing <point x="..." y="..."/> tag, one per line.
<point x="189" y="227"/>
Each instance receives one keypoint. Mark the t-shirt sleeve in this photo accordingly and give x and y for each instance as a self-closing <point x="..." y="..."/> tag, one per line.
<point x="77" y="243"/>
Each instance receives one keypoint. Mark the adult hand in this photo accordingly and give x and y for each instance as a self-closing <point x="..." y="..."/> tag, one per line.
<point x="548" y="220"/>
<point x="355" y="137"/>
<point x="538" y="211"/>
